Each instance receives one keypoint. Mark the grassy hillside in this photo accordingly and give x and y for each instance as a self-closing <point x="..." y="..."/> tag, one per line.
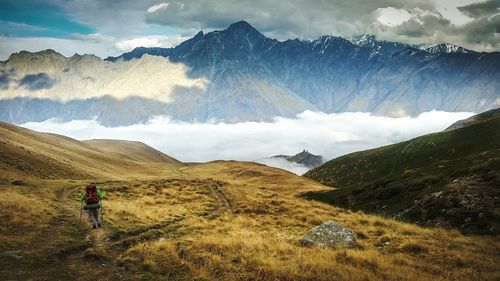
<point x="450" y="178"/>
<point x="222" y="220"/>
<point x="131" y="150"/>
<point x="28" y="154"/>
<point x="487" y="115"/>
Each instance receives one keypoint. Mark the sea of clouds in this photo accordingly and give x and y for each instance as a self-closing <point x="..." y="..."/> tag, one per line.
<point x="330" y="135"/>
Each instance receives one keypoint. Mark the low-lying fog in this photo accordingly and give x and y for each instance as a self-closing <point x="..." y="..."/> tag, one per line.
<point x="329" y="135"/>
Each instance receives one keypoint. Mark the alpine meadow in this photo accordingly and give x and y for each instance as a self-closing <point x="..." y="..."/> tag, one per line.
<point x="249" y="140"/>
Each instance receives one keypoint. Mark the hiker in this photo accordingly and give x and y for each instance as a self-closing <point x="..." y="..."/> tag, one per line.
<point x="92" y="197"/>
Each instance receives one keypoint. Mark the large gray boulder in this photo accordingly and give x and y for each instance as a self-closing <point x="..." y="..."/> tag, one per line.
<point x="329" y="234"/>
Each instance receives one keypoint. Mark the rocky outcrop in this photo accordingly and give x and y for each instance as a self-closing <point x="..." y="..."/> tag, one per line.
<point x="329" y="234"/>
<point x="304" y="158"/>
<point x="307" y="159"/>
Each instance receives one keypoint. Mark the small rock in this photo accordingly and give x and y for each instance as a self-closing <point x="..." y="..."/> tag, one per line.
<point x="455" y="180"/>
<point x="17" y="182"/>
<point x="329" y="234"/>
<point x="16" y="254"/>
<point x="437" y="194"/>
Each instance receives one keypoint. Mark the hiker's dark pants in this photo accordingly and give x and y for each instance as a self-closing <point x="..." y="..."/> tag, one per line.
<point x="94" y="216"/>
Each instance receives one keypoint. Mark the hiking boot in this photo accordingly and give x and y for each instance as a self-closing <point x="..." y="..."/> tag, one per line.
<point x="94" y="226"/>
<point x="98" y="224"/>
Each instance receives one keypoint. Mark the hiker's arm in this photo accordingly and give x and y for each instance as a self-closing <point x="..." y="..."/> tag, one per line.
<point x="83" y="197"/>
<point x="99" y="193"/>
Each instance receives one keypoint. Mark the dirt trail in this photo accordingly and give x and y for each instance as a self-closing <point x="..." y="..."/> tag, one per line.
<point x="216" y="190"/>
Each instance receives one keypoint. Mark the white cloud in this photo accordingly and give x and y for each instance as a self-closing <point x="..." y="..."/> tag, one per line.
<point x="7" y="26"/>
<point x="157" y="7"/>
<point x="391" y="16"/>
<point x="67" y="47"/>
<point x="92" y="37"/>
<point x="127" y="45"/>
<point x="281" y="163"/>
<point x="329" y="135"/>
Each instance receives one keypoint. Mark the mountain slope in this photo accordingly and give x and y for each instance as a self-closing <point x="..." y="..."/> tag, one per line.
<point x="448" y="178"/>
<point x="131" y="150"/>
<point x="337" y="75"/>
<point x="238" y="74"/>
<point x="28" y="154"/>
<point x="485" y="116"/>
<point x="42" y="85"/>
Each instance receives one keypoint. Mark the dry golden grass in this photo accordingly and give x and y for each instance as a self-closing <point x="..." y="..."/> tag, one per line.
<point x="20" y="208"/>
<point x="222" y="220"/>
<point x="238" y="228"/>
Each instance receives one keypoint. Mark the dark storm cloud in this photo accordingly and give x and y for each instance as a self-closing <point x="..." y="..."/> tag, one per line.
<point x="428" y="22"/>
<point x="481" y="9"/>
<point x="484" y="30"/>
<point x="486" y="26"/>
<point x="422" y="26"/>
<point x="34" y="82"/>
<point x="304" y="19"/>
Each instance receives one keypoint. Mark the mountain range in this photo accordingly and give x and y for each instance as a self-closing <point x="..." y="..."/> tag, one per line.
<point x="238" y="74"/>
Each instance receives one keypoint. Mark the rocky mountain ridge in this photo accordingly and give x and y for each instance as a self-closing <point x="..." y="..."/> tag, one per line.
<point x="244" y="76"/>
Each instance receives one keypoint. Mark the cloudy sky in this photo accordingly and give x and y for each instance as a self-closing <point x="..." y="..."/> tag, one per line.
<point x="110" y="27"/>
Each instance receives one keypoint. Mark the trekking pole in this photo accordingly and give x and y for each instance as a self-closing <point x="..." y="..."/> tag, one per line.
<point x="81" y="210"/>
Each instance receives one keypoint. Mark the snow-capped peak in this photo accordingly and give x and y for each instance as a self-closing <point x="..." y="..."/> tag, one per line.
<point x="365" y="40"/>
<point x="445" y="48"/>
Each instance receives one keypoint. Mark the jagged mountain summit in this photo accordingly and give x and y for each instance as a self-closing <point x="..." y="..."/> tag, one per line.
<point x="377" y="47"/>
<point x="238" y="74"/>
<point x="446" y="48"/>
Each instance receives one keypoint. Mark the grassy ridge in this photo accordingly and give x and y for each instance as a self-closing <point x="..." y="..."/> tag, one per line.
<point x="436" y="179"/>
